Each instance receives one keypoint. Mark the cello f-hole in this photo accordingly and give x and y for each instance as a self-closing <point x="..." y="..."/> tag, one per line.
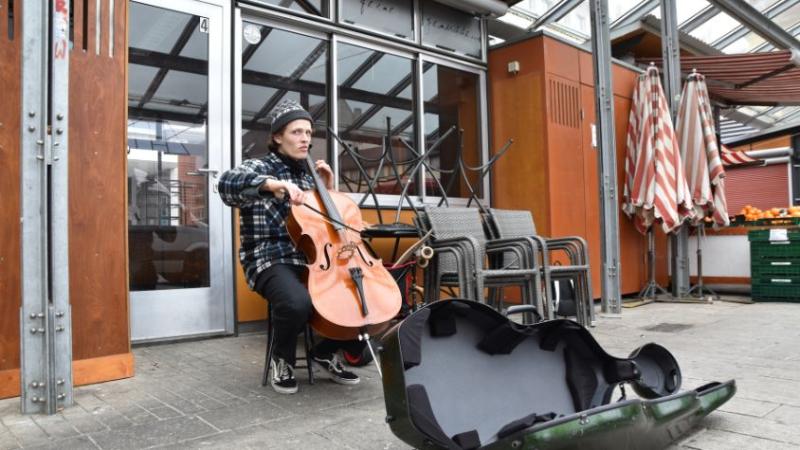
<point x="368" y="262"/>
<point x="327" y="264"/>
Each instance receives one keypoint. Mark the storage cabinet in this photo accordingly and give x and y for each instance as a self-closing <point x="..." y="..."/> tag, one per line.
<point x="548" y="109"/>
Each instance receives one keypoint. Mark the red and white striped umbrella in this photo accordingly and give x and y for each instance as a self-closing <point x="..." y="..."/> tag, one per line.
<point x="655" y="185"/>
<point x="701" y="157"/>
<point x="731" y="158"/>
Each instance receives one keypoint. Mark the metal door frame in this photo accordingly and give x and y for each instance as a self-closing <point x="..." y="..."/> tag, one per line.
<point x="221" y="291"/>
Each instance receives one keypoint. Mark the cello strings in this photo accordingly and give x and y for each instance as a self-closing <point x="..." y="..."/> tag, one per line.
<point x="329" y="219"/>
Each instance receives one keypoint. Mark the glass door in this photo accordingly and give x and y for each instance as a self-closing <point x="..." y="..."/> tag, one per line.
<point x="178" y="232"/>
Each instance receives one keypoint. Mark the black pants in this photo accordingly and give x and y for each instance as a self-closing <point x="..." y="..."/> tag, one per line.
<point x="282" y="285"/>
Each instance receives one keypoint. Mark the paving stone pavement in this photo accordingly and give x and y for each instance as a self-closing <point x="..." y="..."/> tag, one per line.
<point x="207" y="394"/>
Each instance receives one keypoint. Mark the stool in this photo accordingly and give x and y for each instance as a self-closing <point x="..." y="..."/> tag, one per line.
<point x="308" y="342"/>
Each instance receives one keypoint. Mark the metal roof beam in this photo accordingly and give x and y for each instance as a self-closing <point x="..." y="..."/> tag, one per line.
<point x="754" y="20"/>
<point x="177" y="48"/>
<point x="635" y="14"/>
<point x="700" y="18"/>
<point x="556" y="13"/>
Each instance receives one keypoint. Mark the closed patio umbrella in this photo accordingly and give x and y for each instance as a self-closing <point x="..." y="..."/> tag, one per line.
<point x="700" y="153"/>
<point x="655" y="185"/>
<point x="655" y="188"/>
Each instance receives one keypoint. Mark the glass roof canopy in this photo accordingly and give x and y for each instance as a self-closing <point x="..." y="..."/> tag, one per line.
<point x="570" y="19"/>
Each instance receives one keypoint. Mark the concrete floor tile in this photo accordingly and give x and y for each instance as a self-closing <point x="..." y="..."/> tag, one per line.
<point x="724" y="440"/>
<point x="147" y="435"/>
<point x="75" y="443"/>
<point x="26" y="431"/>
<point x="758" y="428"/>
<point x="56" y="426"/>
<point x="8" y="441"/>
<point x="165" y="413"/>
<point x="747" y="407"/>
<point x="787" y="415"/>
<point x="244" y="415"/>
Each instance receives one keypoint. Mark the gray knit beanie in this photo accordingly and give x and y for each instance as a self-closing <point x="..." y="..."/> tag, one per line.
<point x="285" y="112"/>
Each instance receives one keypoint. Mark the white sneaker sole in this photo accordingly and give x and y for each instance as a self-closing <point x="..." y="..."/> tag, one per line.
<point x="284" y="390"/>
<point x="324" y="368"/>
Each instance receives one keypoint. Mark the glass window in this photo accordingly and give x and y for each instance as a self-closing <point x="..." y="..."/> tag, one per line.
<point x="715" y="28"/>
<point x="685" y="10"/>
<point x="168" y="146"/>
<point x="315" y="7"/>
<point x="278" y="65"/>
<point x="617" y="8"/>
<point x="375" y="101"/>
<point x="789" y="17"/>
<point x="579" y="19"/>
<point x="745" y="44"/>
<point x="452" y="99"/>
<point x="536" y="7"/>
<point x="450" y="29"/>
<point x="395" y="17"/>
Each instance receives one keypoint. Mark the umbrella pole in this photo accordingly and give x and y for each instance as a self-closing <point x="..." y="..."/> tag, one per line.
<point x="700" y="287"/>
<point x="651" y="290"/>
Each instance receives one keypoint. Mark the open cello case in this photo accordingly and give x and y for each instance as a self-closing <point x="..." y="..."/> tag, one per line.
<point x="459" y="375"/>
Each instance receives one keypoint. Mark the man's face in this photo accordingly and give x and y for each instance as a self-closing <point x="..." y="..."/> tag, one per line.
<point x="294" y="139"/>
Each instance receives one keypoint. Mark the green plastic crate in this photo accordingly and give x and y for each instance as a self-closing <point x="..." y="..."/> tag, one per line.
<point x="774" y="250"/>
<point x="776" y="267"/>
<point x="772" y="292"/>
<point x="763" y="235"/>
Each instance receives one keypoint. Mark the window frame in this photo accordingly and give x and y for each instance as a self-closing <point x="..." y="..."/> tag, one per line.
<point x="333" y="32"/>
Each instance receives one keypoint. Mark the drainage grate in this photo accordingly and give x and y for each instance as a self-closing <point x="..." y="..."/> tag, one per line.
<point x="668" y="327"/>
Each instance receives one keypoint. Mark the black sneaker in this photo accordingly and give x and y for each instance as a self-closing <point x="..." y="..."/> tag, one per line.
<point x="282" y="380"/>
<point x="335" y="369"/>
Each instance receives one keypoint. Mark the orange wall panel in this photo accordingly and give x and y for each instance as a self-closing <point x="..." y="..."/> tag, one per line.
<point x="10" y="52"/>
<point x="565" y="164"/>
<point x="561" y="59"/>
<point x="520" y="178"/>
<point x="529" y="54"/>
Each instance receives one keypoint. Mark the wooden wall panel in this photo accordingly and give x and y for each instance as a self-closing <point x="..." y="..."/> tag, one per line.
<point x="97" y="165"/>
<point x="529" y="54"/>
<point x="562" y="59"/>
<point x="776" y="142"/>
<point x="591" y="192"/>
<point x="520" y="177"/>
<point x="517" y="111"/>
<point x="565" y="162"/>
<point x="10" y="295"/>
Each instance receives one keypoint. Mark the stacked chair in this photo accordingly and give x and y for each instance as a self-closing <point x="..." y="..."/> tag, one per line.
<point x="462" y="251"/>
<point x="508" y="224"/>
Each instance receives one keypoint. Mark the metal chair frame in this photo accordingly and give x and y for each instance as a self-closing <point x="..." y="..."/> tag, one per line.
<point x="520" y="224"/>
<point x="461" y="248"/>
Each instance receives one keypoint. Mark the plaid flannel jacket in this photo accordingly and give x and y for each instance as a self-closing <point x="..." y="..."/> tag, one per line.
<point x="262" y="216"/>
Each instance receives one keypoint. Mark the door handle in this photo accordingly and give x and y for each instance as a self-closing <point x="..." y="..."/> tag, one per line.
<point x="212" y="172"/>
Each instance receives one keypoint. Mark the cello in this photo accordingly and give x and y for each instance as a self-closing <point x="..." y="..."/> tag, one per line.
<point x="352" y="293"/>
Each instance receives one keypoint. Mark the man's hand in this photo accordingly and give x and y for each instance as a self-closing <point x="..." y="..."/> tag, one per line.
<point x="325" y="172"/>
<point x="281" y="188"/>
<point x="296" y="195"/>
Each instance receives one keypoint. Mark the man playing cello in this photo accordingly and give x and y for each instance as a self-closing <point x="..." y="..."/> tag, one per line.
<point x="264" y="189"/>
